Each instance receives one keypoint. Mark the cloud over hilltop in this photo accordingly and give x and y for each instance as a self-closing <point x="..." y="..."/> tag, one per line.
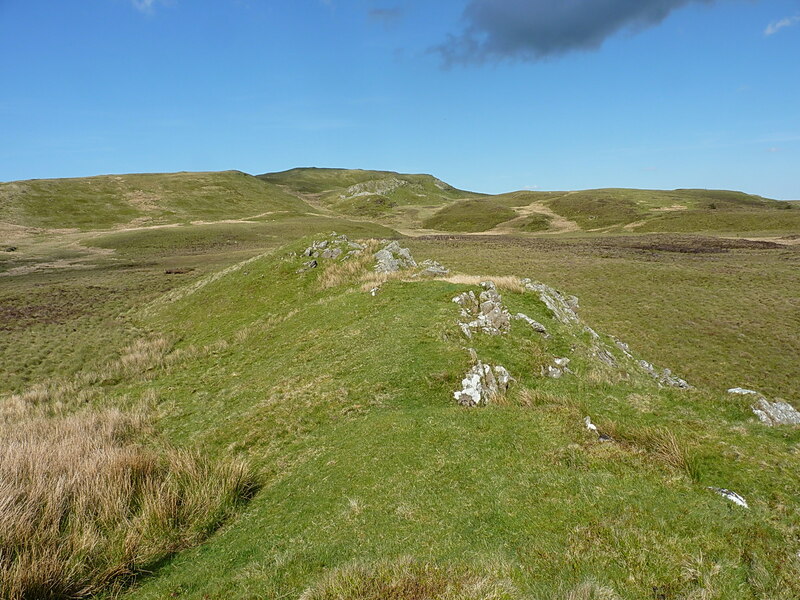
<point x="536" y="29"/>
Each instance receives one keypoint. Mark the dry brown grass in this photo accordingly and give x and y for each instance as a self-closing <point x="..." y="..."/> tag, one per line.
<point x="659" y="443"/>
<point x="589" y="590"/>
<point x="340" y="273"/>
<point x="502" y="282"/>
<point x="84" y="504"/>
<point x="407" y="579"/>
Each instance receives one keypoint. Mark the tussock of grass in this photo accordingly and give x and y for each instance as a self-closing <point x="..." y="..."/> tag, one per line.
<point x="407" y="579"/>
<point x="660" y="443"/>
<point x="83" y="505"/>
<point x="589" y="590"/>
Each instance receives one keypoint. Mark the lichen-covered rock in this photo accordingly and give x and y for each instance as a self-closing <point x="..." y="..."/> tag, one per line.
<point x="333" y="247"/>
<point x="431" y="268"/>
<point x="743" y="392"/>
<point x="776" y="413"/>
<point x="392" y="258"/>
<point x="307" y="266"/>
<point x="483" y="384"/>
<point x="535" y="325"/>
<point x="562" y="307"/>
<point x="484" y="313"/>
<point x="332" y="253"/>
<point x="665" y="377"/>
<point x="769" y="413"/>
<point x="559" y="367"/>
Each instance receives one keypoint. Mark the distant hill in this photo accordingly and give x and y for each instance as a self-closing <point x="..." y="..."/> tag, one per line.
<point x="408" y="203"/>
<point x="112" y="200"/>
<point x="367" y="193"/>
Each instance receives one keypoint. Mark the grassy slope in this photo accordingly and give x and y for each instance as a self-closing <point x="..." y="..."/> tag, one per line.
<point x="367" y="193"/>
<point x="106" y="201"/>
<point x="344" y="400"/>
<point x="676" y="210"/>
<point x="723" y="313"/>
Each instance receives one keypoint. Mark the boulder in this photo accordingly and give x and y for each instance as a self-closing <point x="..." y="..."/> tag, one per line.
<point x="484" y="313"/>
<point x="431" y="268"/>
<point x="775" y="413"/>
<point x="392" y="258"/>
<point x="483" y="384"/>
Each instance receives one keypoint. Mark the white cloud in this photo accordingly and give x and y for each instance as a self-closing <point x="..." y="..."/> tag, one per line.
<point x="776" y="26"/>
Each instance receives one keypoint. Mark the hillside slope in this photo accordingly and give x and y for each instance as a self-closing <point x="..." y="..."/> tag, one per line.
<point x="115" y="200"/>
<point x="367" y="193"/>
<point x="338" y="383"/>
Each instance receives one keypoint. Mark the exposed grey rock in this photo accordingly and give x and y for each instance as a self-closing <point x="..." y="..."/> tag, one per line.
<point x="665" y="377"/>
<point x="376" y="187"/>
<point x="332" y="253"/>
<point x="333" y="248"/>
<point x="485" y="313"/>
<point x="307" y="266"/>
<point x="483" y="384"/>
<point x="743" y="391"/>
<point x="624" y="347"/>
<point x="604" y="356"/>
<point x="776" y="413"/>
<point x="562" y="307"/>
<point x="432" y="269"/>
<point x="732" y="496"/>
<point x="393" y="258"/>
<point x="538" y="327"/>
<point x="559" y="367"/>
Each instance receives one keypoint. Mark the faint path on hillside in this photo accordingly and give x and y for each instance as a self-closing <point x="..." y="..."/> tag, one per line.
<point x="558" y="224"/>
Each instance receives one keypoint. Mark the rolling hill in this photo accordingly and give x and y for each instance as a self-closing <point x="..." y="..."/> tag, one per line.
<point x="241" y="403"/>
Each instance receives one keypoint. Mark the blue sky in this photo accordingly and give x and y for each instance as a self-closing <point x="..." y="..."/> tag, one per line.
<point x="489" y="95"/>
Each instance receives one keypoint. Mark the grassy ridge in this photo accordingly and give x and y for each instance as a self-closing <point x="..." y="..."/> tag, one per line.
<point x="378" y="463"/>
<point x="105" y="201"/>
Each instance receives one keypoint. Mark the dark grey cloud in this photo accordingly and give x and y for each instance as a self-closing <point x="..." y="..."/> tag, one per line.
<point x="535" y="29"/>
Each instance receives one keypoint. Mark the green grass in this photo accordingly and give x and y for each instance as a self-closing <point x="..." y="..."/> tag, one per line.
<point x="469" y="216"/>
<point x="374" y="480"/>
<point x="767" y="221"/>
<point x="534" y="223"/>
<point x="100" y="202"/>
<point x="673" y="211"/>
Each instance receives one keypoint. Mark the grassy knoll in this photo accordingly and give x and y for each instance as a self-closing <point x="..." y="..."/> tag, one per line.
<point x="106" y="201"/>
<point x="674" y="211"/>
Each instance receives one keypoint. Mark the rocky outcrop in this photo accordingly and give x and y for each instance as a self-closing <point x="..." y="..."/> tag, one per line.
<point x="374" y="187"/>
<point x="431" y="268"/>
<point x="665" y="377"/>
<point x="392" y="258"/>
<point x="333" y="247"/>
<point x="776" y="413"/>
<point x="563" y="307"/>
<point x="484" y="313"/>
<point x="535" y="325"/>
<point x="483" y="384"/>
<point x="769" y="413"/>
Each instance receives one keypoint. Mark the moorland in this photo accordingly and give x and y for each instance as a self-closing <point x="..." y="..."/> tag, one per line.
<point x="192" y="409"/>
